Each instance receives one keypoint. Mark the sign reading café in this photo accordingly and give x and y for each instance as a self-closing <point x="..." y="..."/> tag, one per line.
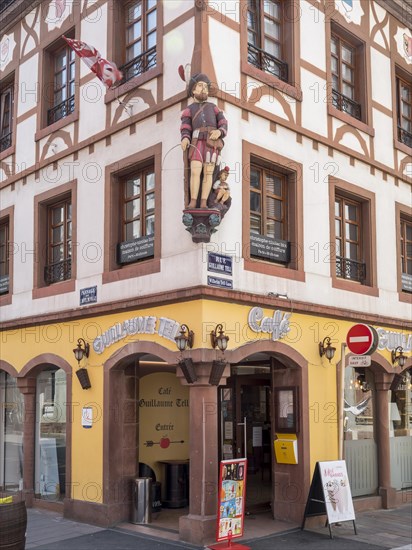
<point x="277" y="325"/>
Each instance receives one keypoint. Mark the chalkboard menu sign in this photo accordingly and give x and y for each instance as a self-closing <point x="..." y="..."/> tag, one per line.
<point x="4" y="284"/>
<point x="267" y="248"/>
<point x="406" y="282"/>
<point x="138" y="249"/>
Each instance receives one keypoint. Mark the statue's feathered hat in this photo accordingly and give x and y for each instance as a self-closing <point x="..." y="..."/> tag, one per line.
<point x="191" y="81"/>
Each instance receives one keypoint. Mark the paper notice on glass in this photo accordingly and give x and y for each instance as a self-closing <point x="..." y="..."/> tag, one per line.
<point x="228" y="430"/>
<point x="257" y="436"/>
<point x="227" y="451"/>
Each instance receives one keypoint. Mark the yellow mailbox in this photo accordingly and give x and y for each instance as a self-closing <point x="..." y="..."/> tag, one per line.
<point x="286" y="449"/>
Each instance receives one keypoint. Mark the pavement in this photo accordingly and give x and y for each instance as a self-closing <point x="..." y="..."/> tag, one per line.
<point x="377" y="529"/>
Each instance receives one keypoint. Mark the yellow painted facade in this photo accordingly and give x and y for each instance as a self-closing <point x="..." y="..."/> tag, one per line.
<point x="24" y="345"/>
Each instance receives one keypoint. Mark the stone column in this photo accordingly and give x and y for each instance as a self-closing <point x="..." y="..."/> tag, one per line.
<point x="27" y="387"/>
<point x="200" y="525"/>
<point x="383" y="383"/>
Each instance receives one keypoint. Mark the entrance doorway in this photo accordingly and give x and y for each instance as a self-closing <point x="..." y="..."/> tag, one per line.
<point x="245" y="429"/>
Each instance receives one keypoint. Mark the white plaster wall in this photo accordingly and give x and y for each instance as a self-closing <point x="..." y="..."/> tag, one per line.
<point x="350" y="140"/>
<point x="92" y="109"/>
<point x="24" y="257"/>
<point x="183" y="263"/>
<point x="29" y="89"/>
<point x="178" y="47"/>
<point x="25" y="151"/>
<point x="381" y="13"/>
<point x="312" y="36"/>
<point x="383" y="138"/>
<point x="232" y="9"/>
<point x="381" y="79"/>
<point x="227" y="73"/>
<point x="270" y="102"/>
<point x="174" y="8"/>
<point x="314" y="106"/>
<point x="30" y="45"/>
<point x="90" y="221"/>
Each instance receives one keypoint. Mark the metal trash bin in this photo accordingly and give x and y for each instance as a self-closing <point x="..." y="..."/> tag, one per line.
<point x="142" y="500"/>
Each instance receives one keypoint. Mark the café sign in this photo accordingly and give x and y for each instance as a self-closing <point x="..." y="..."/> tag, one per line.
<point x="277" y="325"/>
<point x="148" y="324"/>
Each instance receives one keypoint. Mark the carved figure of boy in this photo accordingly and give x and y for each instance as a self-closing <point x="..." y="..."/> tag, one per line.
<point x="203" y="126"/>
<point x="221" y="187"/>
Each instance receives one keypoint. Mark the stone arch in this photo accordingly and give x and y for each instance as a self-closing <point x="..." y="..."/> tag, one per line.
<point x="6" y="367"/>
<point x="136" y="349"/>
<point x="35" y="365"/>
<point x="121" y="426"/>
<point x="27" y="384"/>
<point x="289" y="355"/>
<point x="291" y="482"/>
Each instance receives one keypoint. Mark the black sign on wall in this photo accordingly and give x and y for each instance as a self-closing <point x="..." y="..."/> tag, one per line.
<point x="406" y="282"/>
<point x="275" y="250"/>
<point x="4" y="284"/>
<point x="138" y="249"/>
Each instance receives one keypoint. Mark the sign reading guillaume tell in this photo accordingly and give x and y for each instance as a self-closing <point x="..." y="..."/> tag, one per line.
<point x="163" y="419"/>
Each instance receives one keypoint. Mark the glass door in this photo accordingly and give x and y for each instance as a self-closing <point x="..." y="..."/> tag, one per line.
<point x="245" y="429"/>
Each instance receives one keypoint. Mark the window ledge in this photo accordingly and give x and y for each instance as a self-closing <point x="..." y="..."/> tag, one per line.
<point x="134" y="270"/>
<point x="271" y="80"/>
<point x="6" y="299"/>
<point x="65" y="121"/>
<point x="344" y="117"/>
<point x="7" y="152"/>
<point x="54" y="289"/>
<point x="133" y="83"/>
<point x="402" y="147"/>
<point x="274" y="270"/>
<point x="405" y="297"/>
<point x="353" y="286"/>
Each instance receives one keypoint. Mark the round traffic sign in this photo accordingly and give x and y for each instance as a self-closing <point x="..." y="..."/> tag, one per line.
<point x="362" y="339"/>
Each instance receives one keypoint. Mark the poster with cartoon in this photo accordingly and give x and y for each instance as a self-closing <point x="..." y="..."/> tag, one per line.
<point x="231" y="499"/>
<point x="336" y="489"/>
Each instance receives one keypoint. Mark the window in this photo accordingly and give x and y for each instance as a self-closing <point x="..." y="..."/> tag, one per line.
<point x="11" y="434"/>
<point x="268" y="214"/>
<point x="132" y="226"/>
<point x="272" y="209"/>
<point x="266" y="36"/>
<point x="138" y="205"/>
<point x="50" y="439"/>
<point x="62" y="63"/>
<point x="352" y="249"/>
<point x="6" y="110"/>
<point x="59" y="242"/>
<point x="404" y="111"/>
<point x="139" y="38"/>
<point x="348" y="240"/>
<point x="4" y="256"/>
<point x="344" y="61"/>
<point x="138" y="220"/>
<point x="267" y="203"/>
<point x="406" y="255"/>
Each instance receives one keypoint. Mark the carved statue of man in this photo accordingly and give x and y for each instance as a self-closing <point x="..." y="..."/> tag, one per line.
<point x="203" y="126"/>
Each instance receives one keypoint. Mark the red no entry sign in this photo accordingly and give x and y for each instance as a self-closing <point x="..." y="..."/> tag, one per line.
<point x="362" y="339"/>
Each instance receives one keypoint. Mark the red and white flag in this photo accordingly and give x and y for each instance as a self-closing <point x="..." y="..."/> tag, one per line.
<point x="105" y="70"/>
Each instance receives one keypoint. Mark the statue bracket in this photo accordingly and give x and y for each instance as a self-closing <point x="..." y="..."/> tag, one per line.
<point x="201" y="223"/>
